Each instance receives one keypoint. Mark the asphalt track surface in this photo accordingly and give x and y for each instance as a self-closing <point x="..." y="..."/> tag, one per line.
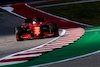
<point x="89" y="61"/>
<point x="9" y="45"/>
<point x="8" y="23"/>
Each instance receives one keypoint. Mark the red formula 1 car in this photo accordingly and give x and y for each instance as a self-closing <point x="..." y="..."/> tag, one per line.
<point x="36" y="28"/>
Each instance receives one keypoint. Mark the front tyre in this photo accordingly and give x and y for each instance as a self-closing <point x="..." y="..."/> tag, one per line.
<point x="54" y="28"/>
<point x="18" y="32"/>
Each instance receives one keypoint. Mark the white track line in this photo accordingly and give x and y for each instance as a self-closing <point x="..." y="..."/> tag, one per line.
<point x="23" y="56"/>
<point x="67" y="3"/>
<point x="8" y="63"/>
<point x="92" y="30"/>
<point x="10" y="10"/>
<point x="67" y="59"/>
<point x="57" y="16"/>
<point x="11" y="56"/>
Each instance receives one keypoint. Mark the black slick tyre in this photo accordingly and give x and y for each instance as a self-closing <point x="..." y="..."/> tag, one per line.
<point x="18" y="32"/>
<point x="54" y="28"/>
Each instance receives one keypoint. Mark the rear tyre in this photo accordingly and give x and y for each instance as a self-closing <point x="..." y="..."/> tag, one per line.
<point x="54" y="28"/>
<point x="18" y="32"/>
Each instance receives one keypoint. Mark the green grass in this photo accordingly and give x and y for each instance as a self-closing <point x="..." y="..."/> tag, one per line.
<point x="53" y="2"/>
<point x="88" y="13"/>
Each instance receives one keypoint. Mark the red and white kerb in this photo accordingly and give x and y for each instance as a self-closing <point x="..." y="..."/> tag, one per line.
<point x="69" y="36"/>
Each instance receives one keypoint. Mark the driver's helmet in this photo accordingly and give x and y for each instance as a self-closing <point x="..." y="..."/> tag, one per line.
<point x="34" y="22"/>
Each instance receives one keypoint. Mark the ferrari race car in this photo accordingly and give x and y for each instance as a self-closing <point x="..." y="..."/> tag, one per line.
<point x="36" y="28"/>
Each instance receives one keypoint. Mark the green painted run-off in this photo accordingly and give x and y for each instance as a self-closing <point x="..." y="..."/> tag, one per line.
<point x="88" y="43"/>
